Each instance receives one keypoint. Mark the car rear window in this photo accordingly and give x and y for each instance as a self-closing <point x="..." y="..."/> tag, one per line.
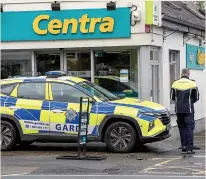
<point x="8" y="88"/>
<point x="31" y="91"/>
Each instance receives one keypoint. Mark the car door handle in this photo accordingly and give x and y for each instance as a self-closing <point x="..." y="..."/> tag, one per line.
<point x="13" y="107"/>
<point x="57" y="111"/>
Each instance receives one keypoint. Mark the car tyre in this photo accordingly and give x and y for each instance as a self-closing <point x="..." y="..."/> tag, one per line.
<point x="120" y="137"/>
<point x="8" y="136"/>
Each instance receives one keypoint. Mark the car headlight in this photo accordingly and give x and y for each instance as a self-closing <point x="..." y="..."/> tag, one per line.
<point x="147" y="113"/>
<point x="151" y="126"/>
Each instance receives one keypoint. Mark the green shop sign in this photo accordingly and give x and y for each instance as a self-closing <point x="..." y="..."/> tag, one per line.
<point x="65" y="24"/>
<point x="195" y="57"/>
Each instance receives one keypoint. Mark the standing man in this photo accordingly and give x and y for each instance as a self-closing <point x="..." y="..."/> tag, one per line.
<point x="185" y="93"/>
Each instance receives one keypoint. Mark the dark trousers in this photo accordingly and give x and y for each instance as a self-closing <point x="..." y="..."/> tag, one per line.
<point x="186" y="125"/>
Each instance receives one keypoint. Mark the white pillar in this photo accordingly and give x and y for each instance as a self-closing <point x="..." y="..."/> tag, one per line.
<point x="145" y="73"/>
<point x="33" y="63"/>
<point x="92" y="65"/>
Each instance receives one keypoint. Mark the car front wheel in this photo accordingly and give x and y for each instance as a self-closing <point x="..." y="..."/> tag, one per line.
<point x="8" y="136"/>
<point x="120" y="137"/>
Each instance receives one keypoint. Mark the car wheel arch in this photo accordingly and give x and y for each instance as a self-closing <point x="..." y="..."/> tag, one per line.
<point x="15" y="123"/>
<point x="109" y="119"/>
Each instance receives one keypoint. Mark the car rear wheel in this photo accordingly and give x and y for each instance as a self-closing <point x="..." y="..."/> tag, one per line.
<point x="120" y="137"/>
<point x="8" y="136"/>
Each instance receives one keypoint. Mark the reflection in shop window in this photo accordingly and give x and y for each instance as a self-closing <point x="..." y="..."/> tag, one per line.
<point x="15" y="64"/>
<point x="78" y="64"/>
<point x="47" y="62"/>
<point x="108" y="66"/>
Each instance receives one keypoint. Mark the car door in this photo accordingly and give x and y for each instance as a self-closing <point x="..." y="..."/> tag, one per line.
<point x="27" y="103"/>
<point x="64" y="110"/>
<point x="6" y="90"/>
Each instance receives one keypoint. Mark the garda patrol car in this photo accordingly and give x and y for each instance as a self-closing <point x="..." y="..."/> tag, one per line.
<point x="46" y="109"/>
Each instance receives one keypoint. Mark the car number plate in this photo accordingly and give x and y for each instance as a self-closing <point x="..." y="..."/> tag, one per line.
<point x="168" y="127"/>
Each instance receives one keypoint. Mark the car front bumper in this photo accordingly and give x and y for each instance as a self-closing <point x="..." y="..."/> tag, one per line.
<point x="162" y="136"/>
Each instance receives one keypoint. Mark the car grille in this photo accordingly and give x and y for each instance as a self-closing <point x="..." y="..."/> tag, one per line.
<point x="165" y="119"/>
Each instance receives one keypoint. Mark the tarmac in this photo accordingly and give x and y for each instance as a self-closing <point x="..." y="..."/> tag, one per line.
<point x="155" y="160"/>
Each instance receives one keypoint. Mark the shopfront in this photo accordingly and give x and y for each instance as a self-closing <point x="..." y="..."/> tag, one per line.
<point x="113" y="67"/>
<point x="131" y="50"/>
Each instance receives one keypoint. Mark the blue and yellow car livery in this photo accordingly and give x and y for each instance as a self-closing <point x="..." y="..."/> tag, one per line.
<point x="28" y="114"/>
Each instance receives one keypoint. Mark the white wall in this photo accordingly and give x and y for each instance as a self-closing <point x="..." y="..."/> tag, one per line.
<point x="175" y="42"/>
<point x="138" y="35"/>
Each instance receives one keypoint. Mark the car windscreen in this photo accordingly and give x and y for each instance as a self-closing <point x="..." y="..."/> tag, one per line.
<point x="98" y="91"/>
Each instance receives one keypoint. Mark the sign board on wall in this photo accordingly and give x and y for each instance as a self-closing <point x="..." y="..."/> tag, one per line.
<point x="153" y="13"/>
<point x="195" y="57"/>
<point x="124" y="75"/>
<point x="65" y="24"/>
<point x="79" y="73"/>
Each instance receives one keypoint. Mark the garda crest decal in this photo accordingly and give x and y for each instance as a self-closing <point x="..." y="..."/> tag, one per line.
<point x="71" y="114"/>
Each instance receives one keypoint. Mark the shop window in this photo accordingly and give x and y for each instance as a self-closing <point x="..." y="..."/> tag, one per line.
<point x="47" y="62"/>
<point x="66" y="93"/>
<point x="78" y="64"/>
<point x="174" y="63"/>
<point x="109" y="64"/>
<point x="15" y="64"/>
<point x="31" y="91"/>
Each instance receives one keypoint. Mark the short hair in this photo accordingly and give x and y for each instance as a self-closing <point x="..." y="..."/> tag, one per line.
<point x="185" y="72"/>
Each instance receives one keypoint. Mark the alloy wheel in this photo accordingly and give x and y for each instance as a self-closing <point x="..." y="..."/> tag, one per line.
<point x="6" y="136"/>
<point x="120" y="137"/>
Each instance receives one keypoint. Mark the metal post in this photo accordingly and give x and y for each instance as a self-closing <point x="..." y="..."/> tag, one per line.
<point x="92" y="65"/>
<point x="62" y="60"/>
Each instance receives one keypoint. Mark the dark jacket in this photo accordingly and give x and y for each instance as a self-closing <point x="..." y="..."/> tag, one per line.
<point x="185" y="93"/>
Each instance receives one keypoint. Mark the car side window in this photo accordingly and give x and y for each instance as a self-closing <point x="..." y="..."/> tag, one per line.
<point x="66" y="93"/>
<point x="31" y="91"/>
<point x="7" y="89"/>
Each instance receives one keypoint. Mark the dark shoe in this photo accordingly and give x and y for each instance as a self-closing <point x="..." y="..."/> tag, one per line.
<point x="184" y="149"/>
<point x="190" y="152"/>
<point x="196" y="148"/>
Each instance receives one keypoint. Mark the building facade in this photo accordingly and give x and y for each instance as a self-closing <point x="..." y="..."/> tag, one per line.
<point x="144" y="41"/>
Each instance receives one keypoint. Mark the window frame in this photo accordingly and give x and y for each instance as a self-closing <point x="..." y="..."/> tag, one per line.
<point x="8" y="84"/>
<point x="74" y="86"/>
<point x="45" y="91"/>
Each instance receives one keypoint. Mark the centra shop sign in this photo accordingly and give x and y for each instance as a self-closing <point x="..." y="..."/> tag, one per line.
<point x="65" y="24"/>
<point x="56" y="26"/>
